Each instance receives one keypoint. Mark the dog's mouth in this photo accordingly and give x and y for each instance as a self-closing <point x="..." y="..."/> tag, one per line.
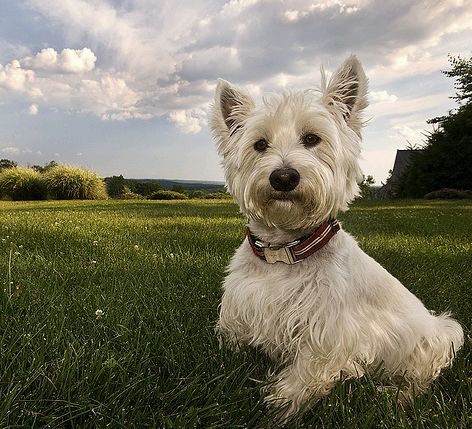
<point x="283" y="196"/>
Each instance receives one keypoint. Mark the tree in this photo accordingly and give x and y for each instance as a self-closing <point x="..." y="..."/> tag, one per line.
<point x="446" y="158"/>
<point x="45" y="167"/>
<point x="462" y="71"/>
<point x="366" y="186"/>
<point x="115" y="185"/>
<point x="6" y="163"/>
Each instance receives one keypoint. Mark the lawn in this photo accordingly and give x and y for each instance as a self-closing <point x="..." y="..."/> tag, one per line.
<point x="108" y="312"/>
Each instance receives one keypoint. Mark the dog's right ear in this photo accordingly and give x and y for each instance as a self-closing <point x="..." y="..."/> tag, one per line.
<point x="232" y="106"/>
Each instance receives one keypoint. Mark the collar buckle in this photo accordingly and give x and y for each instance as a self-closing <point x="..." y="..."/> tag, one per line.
<point x="275" y="254"/>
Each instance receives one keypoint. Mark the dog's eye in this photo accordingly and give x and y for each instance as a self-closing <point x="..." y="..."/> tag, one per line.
<point x="310" y="140"/>
<point x="261" y="145"/>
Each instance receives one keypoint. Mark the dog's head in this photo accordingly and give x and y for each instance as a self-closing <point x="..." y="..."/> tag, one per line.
<point x="293" y="162"/>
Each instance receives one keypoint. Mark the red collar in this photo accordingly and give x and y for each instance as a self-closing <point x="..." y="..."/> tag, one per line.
<point x="295" y="251"/>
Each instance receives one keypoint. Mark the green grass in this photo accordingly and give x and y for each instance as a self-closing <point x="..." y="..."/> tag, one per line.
<point x="152" y="359"/>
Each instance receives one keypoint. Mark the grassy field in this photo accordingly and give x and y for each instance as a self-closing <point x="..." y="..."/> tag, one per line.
<point x="108" y="311"/>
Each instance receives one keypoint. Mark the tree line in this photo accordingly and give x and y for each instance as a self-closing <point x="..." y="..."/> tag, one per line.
<point x="444" y="165"/>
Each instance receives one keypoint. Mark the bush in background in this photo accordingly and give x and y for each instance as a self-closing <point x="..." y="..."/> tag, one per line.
<point x="167" y="195"/>
<point x="21" y="183"/>
<point x="127" y="194"/>
<point x="218" y="196"/>
<point x="68" y="182"/>
<point x="448" y="194"/>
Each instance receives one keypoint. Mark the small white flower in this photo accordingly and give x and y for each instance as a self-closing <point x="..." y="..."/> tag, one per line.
<point x="93" y="262"/>
<point x="4" y="240"/>
<point x="136" y="246"/>
<point x="17" y="253"/>
<point x="99" y="313"/>
<point x="20" y="246"/>
<point x="171" y="255"/>
<point x="95" y="243"/>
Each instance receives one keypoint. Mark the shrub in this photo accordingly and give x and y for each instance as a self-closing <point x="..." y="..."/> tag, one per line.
<point x="68" y="182"/>
<point x="167" y="195"/>
<point x="127" y="194"/>
<point x="22" y="184"/>
<point x="198" y="194"/>
<point x="448" y="194"/>
<point x="218" y="196"/>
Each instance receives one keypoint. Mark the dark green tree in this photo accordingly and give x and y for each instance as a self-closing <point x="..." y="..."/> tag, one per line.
<point x="115" y="186"/>
<point x="446" y="158"/>
<point x="45" y="167"/>
<point x="6" y="163"/>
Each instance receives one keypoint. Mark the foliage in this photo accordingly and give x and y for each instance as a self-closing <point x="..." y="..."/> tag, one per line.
<point x="221" y="195"/>
<point x="68" y="182"/>
<point x="448" y="194"/>
<point x="45" y="167"/>
<point x="462" y="71"/>
<point x="127" y="194"/>
<point x="197" y="194"/>
<point x="177" y="187"/>
<point x="446" y="159"/>
<point x="167" y="195"/>
<point x="366" y="186"/>
<point x="6" y="163"/>
<point x="143" y="187"/>
<point x="20" y="183"/>
<point x="115" y="186"/>
<point x="151" y="358"/>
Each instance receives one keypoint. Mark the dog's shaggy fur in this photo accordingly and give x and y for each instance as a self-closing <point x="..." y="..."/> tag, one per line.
<point x="337" y="311"/>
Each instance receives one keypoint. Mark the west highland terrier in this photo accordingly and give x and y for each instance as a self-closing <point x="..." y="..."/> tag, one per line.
<point x="299" y="287"/>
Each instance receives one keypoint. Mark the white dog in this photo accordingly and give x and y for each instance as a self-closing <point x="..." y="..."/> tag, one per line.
<point x="299" y="287"/>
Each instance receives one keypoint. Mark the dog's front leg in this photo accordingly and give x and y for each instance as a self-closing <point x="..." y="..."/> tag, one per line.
<point x="306" y="380"/>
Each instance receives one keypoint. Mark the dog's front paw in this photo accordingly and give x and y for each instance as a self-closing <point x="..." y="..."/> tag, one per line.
<point x="281" y="407"/>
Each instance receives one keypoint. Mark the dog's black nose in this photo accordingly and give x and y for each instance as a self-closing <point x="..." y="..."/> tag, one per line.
<point x="284" y="179"/>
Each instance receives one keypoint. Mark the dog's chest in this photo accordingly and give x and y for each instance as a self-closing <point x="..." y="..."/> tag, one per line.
<point x="260" y="287"/>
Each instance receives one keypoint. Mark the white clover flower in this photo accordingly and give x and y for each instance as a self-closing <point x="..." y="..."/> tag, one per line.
<point x="136" y="246"/>
<point x="93" y="262"/>
<point x="99" y="313"/>
<point x="171" y="255"/>
<point x="17" y="253"/>
<point x="95" y="243"/>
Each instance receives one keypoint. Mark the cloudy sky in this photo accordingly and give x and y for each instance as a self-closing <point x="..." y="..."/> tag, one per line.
<point x="123" y="86"/>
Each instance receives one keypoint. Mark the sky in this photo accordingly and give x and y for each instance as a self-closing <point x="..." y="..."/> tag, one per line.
<point x="124" y="86"/>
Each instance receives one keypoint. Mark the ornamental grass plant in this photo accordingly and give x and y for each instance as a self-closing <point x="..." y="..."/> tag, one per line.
<point x="19" y="183"/>
<point x="69" y="182"/>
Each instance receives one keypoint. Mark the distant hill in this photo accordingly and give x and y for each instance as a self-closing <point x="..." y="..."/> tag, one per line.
<point x="186" y="184"/>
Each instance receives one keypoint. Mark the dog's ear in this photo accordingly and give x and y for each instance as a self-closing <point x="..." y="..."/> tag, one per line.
<point x="346" y="91"/>
<point x="232" y="106"/>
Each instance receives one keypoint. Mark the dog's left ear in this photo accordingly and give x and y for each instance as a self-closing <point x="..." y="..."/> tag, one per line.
<point x="346" y="91"/>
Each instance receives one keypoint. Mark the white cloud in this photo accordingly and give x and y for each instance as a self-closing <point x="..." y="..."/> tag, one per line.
<point x="15" y="78"/>
<point x="381" y="96"/>
<point x="408" y="134"/>
<point x="14" y="150"/>
<point x="189" y="121"/>
<point x="11" y="150"/>
<point x="33" y="110"/>
<point x="67" y="61"/>
<point x="155" y="60"/>
<point x="105" y="94"/>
